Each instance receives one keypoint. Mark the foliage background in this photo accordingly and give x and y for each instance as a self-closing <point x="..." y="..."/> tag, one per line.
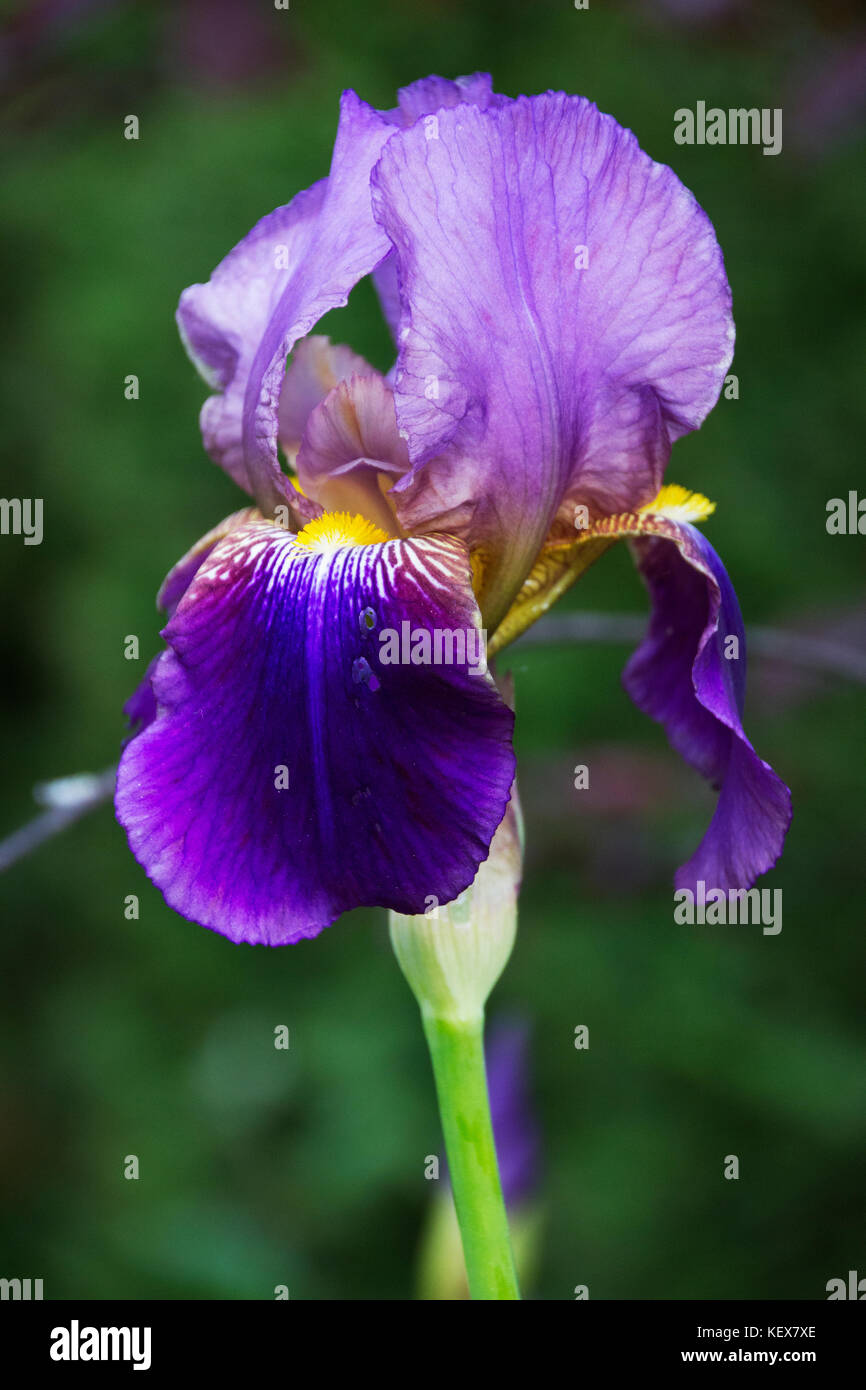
<point x="154" y="1037"/>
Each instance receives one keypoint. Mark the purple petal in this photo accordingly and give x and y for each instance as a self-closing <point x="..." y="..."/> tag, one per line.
<point x="681" y="677"/>
<point x="431" y="94"/>
<point x="524" y="382"/>
<point x="350" y="443"/>
<point x="316" y="367"/>
<point x="424" y="98"/>
<point x="294" y="265"/>
<point x="398" y="774"/>
<point x="140" y="708"/>
<point x="388" y="290"/>
<point x="181" y="575"/>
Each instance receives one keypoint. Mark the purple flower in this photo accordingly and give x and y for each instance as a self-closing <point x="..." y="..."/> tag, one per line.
<point x="562" y="315"/>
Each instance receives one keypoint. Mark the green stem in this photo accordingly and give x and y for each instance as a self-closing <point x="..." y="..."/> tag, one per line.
<point x="457" y="1052"/>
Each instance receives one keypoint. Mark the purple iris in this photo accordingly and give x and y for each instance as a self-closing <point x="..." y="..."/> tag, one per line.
<point x="561" y="315"/>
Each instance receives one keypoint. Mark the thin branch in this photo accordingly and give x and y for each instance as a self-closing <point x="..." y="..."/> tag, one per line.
<point x="562" y="629"/>
<point x="66" y="800"/>
<point x="810" y="653"/>
<point x="774" y="644"/>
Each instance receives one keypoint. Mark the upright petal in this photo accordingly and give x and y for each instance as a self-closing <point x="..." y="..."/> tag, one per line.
<point x="297" y="263"/>
<point x="316" y="367"/>
<point x="431" y="94"/>
<point x="420" y="99"/>
<point x="565" y="316"/>
<point x="352" y="452"/>
<point x="291" y="771"/>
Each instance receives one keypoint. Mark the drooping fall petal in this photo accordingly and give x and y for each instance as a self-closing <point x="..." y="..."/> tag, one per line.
<point x="690" y="675"/>
<point x="290" y="772"/>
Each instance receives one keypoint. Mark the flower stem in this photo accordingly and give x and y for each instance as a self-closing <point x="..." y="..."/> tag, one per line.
<point x="457" y="1053"/>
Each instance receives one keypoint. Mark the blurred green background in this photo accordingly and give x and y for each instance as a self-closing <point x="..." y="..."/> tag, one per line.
<point x="155" y="1038"/>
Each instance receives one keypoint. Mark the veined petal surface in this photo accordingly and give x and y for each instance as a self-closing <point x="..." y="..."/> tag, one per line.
<point x="296" y="263"/>
<point x="565" y="317"/>
<point x="292" y="773"/>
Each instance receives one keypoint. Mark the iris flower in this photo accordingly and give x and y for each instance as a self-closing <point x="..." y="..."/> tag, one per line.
<point x="561" y="316"/>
